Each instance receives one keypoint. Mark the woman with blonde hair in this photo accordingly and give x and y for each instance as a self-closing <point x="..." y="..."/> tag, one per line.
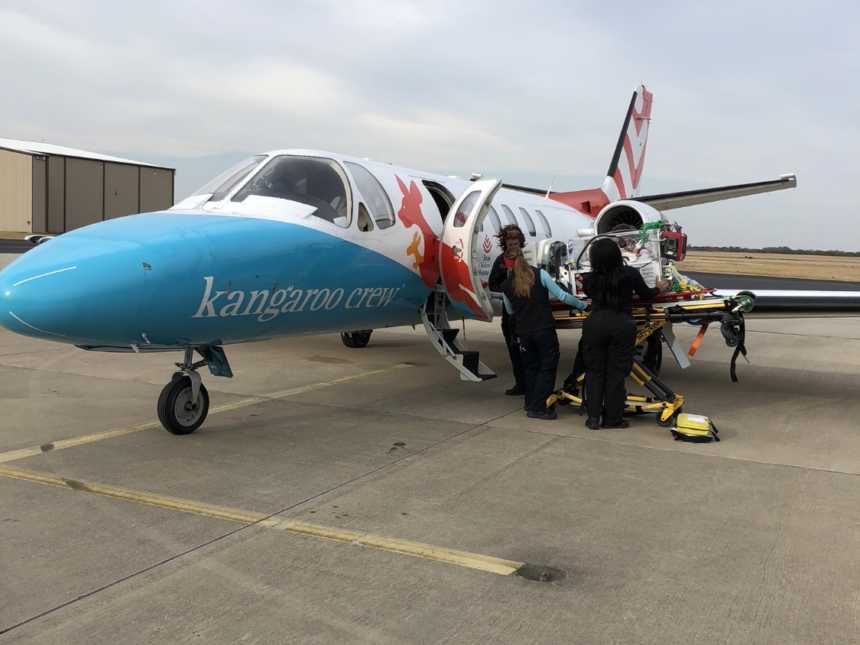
<point x="526" y="296"/>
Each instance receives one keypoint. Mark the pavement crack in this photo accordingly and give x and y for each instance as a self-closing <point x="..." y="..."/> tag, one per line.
<point x="77" y="485"/>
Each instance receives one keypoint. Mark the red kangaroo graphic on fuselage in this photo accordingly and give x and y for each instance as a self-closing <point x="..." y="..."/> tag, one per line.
<point x="410" y="214"/>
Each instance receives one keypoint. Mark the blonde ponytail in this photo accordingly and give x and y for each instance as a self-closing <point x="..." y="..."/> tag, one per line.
<point x="524" y="277"/>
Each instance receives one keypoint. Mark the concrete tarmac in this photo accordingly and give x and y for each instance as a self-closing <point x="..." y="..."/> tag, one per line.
<point x="140" y="536"/>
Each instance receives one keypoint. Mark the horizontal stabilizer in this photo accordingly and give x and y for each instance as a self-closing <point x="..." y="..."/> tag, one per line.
<point x="668" y="201"/>
<point x="801" y="302"/>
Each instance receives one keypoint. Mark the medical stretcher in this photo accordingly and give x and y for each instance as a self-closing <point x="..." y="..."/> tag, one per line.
<point x="654" y="323"/>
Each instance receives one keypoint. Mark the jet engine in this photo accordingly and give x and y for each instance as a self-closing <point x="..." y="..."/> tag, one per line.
<point x="628" y="211"/>
<point x="673" y="241"/>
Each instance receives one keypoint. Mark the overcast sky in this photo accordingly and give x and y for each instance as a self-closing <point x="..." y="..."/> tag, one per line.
<point x="530" y="92"/>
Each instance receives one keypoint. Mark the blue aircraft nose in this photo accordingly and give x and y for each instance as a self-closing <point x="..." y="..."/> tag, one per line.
<point x="73" y="288"/>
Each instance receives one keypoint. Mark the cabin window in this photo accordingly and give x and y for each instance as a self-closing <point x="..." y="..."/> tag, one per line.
<point x="547" y="229"/>
<point x="374" y="195"/>
<point x="509" y="216"/>
<point x="221" y="186"/>
<point x="529" y="222"/>
<point x="308" y="180"/>
<point x="495" y="222"/>
<point x="465" y="208"/>
<point x="492" y="220"/>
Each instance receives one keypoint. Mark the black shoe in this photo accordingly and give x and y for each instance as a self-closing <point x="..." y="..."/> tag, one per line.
<point x="516" y="390"/>
<point x="620" y="424"/>
<point x="548" y="415"/>
<point x="592" y="424"/>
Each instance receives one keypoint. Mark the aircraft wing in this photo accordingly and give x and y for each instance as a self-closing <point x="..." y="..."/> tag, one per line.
<point x="801" y="302"/>
<point x="668" y="201"/>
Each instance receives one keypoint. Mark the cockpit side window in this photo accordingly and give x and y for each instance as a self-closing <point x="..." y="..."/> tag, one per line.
<point x="221" y="186"/>
<point x="374" y="194"/>
<point x="308" y="180"/>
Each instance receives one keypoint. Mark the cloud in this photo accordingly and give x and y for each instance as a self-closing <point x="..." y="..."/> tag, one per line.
<point x="528" y="92"/>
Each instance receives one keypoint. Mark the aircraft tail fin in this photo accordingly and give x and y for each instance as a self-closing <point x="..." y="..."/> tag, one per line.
<point x="625" y="170"/>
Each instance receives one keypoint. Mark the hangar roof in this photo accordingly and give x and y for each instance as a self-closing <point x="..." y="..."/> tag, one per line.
<point x="39" y="148"/>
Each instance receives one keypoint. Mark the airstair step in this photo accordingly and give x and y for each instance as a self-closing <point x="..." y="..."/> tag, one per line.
<point x="449" y="335"/>
<point x="470" y="361"/>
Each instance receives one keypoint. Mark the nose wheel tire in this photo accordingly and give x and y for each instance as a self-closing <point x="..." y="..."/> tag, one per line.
<point x="356" y="338"/>
<point x="176" y="411"/>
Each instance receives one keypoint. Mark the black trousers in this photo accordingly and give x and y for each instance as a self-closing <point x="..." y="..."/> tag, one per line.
<point x="570" y="383"/>
<point x="513" y="349"/>
<point x="609" y="339"/>
<point x="540" y="362"/>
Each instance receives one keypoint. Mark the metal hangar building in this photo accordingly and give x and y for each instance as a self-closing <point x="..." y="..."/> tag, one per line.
<point x="46" y="188"/>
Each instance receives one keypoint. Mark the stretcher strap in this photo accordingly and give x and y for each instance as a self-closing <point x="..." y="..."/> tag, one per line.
<point x="697" y="341"/>
<point x="740" y="348"/>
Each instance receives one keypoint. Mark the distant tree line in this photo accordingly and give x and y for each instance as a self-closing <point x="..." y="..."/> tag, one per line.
<point x="775" y="249"/>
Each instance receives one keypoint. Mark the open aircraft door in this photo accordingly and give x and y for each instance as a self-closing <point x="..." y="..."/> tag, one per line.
<point x="459" y="256"/>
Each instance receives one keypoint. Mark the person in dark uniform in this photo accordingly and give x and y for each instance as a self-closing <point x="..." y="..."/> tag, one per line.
<point x="526" y="293"/>
<point x="571" y="383"/>
<point x="512" y="241"/>
<point x="609" y="333"/>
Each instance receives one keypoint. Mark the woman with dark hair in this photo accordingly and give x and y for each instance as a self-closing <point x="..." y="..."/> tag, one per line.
<point x="526" y="296"/>
<point x="609" y="333"/>
<point x="512" y="241"/>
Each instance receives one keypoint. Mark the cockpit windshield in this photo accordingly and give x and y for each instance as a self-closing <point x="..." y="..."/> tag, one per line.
<point x="309" y="180"/>
<point x="221" y="186"/>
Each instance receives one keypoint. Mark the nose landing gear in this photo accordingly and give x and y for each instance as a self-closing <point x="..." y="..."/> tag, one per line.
<point x="184" y="402"/>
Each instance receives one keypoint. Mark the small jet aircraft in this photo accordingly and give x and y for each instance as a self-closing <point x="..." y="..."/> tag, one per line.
<point x="307" y="242"/>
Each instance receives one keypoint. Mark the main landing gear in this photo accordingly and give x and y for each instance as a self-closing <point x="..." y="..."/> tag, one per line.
<point x="356" y="339"/>
<point x="184" y="402"/>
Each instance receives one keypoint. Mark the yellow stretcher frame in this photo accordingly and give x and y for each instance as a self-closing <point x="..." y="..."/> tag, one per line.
<point x="665" y="409"/>
<point x="665" y="404"/>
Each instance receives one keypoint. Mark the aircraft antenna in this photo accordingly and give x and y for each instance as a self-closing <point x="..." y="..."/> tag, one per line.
<point x="549" y="190"/>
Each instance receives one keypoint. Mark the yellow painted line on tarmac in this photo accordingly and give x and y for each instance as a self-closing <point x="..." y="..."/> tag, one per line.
<point x="343" y="379"/>
<point x="150" y="499"/>
<point x="62" y="444"/>
<point x="465" y="559"/>
<point x="456" y="557"/>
